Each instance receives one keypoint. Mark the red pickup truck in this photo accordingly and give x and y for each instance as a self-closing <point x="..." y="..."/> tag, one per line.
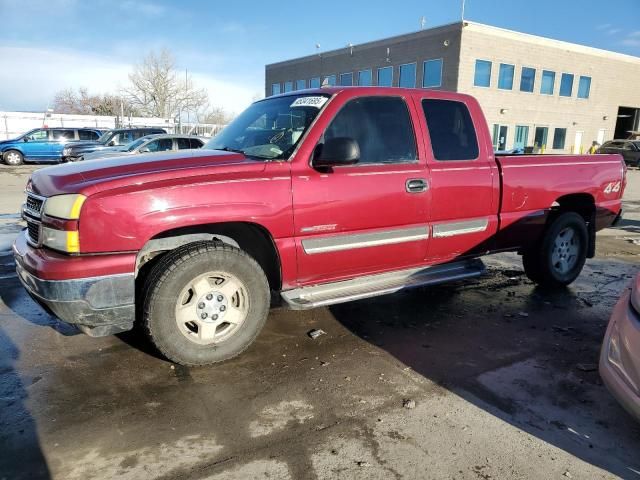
<point x="322" y="196"/>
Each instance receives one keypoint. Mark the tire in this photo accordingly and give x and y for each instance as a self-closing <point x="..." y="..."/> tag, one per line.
<point x="559" y="256"/>
<point x="191" y="293"/>
<point x="13" y="157"/>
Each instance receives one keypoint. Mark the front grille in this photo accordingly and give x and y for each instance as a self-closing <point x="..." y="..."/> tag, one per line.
<point x="34" y="204"/>
<point x="33" y="229"/>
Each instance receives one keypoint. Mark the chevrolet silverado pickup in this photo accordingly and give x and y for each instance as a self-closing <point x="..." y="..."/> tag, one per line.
<point x="320" y="196"/>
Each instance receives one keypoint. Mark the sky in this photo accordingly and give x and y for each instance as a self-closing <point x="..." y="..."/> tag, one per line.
<point x="49" y="45"/>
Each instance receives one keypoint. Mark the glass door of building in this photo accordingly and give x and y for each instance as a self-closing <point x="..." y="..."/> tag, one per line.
<point x="522" y="135"/>
<point x="499" y="137"/>
<point x="540" y="139"/>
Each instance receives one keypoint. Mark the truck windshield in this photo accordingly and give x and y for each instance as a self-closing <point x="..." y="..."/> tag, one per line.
<point x="270" y="129"/>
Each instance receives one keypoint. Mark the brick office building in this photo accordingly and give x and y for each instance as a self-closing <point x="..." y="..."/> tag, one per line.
<point x="535" y="91"/>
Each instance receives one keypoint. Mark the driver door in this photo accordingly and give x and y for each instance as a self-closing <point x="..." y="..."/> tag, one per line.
<point x="365" y="218"/>
<point x="37" y="145"/>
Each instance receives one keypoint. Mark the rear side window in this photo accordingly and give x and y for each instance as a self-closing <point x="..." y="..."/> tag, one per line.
<point x="63" y="134"/>
<point x="195" y="143"/>
<point x="451" y="130"/>
<point x="183" y="143"/>
<point x="87" y="135"/>
<point x="380" y="125"/>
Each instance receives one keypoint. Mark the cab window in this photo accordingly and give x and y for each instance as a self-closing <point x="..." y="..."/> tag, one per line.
<point x="38" y="136"/>
<point x="87" y="135"/>
<point x="381" y="126"/>
<point x="63" y="135"/>
<point x="453" y="136"/>
<point x="183" y="143"/>
<point x="160" y="145"/>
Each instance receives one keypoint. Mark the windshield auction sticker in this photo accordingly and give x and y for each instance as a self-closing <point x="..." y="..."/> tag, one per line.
<point x="317" y="102"/>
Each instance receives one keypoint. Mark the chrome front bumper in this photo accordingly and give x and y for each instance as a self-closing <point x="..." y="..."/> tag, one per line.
<point x="98" y="306"/>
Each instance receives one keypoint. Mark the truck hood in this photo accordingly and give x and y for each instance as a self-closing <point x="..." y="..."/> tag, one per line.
<point x="124" y="171"/>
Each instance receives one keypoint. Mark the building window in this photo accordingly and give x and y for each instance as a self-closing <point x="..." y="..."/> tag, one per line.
<point x="314" y="82"/>
<point x="548" y="82"/>
<point x="408" y="75"/>
<point x="500" y="136"/>
<point x="364" y="78"/>
<point x="330" y="80"/>
<point x="385" y="76"/>
<point x="275" y="89"/>
<point x="527" y="79"/>
<point x="584" y="87"/>
<point x="505" y="78"/>
<point x="522" y="137"/>
<point x="451" y="130"/>
<point x="482" y="76"/>
<point x="288" y="87"/>
<point x="432" y="73"/>
<point x="566" y="85"/>
<point x="346" y="79"/>
<point x="540" y="139"/>
<point x="301" y="84"/>
<point x="559" y="137"/>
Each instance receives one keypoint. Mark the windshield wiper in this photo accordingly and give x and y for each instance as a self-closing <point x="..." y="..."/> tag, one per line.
<point x="239" y="150"/>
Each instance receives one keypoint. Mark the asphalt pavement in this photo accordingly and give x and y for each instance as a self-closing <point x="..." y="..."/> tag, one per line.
<point x="490" y="378"/>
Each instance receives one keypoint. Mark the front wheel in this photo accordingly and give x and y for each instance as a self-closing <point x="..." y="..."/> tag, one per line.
<point x="13" y="157"/>
<point x="205" y="303"/>
<point x="559" y="257"/>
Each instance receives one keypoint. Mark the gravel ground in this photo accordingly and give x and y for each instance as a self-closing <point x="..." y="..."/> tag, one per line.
<point x="491" y="378"/>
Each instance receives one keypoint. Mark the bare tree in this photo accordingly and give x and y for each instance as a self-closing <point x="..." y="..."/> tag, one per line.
<point x="218" y="116"/>
<point x="158" y="90"/>
<point x="81" y="102"/>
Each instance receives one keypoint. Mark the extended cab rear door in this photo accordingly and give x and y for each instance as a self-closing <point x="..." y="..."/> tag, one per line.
<point x="464" y="177"/>
<point x="370" y="217"/>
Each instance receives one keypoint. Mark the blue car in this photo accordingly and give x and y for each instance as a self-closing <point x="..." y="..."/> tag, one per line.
<point x="43" y="144"/>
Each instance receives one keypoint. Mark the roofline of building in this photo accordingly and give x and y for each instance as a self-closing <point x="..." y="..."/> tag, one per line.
<point x="512" y="34"/>
<point x="552" y="42"/>
<point x="382" y="41"/>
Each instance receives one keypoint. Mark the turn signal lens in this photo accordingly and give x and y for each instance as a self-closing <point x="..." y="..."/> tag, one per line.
<point x="61" y="240"/>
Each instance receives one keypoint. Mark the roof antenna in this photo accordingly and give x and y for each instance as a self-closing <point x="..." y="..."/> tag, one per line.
<point x="423" y="22"/>
<point x="463" y="1"/>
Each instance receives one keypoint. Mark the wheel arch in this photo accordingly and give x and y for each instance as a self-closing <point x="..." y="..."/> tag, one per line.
<point x="584" y="204"/>
<point x="253" y="238"/>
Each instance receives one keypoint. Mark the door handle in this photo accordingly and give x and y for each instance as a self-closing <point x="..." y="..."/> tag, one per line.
<point x="416" y="185"/>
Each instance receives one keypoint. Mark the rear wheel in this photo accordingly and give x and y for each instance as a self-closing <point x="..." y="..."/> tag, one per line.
<point x="205" y="303"/>
<point x="13" y="157"/>
<point x="559" y="257"/>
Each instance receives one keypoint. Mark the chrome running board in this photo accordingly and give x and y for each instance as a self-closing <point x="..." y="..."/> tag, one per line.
<point x="381" y="284"/>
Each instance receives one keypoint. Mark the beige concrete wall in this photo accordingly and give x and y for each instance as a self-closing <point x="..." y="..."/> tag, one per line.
<point x="442" y="42"/>
<point x="615" y="81"/>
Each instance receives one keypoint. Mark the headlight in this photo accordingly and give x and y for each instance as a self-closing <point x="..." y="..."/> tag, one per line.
<point x="64" y="206"/>
<point x="62" y="240"/>
<point x="66" y="151"/>
<point x="635" y="294"/>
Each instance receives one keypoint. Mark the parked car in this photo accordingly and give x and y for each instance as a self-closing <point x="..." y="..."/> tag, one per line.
<point x="322" y="196"/>
<point x="620" y="354"/>
<point x="629" y="149"/>
<point x="111" y="138"/>
<point x="149" y="144"/>
<point x="43" y="144"/>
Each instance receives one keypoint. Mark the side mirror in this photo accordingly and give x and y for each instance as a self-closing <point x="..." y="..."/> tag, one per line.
<point x="25" y="139"/>
<point x="337" y="151"/>
<point x="144" y="150"/>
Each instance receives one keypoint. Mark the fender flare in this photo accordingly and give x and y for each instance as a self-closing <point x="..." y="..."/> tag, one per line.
<point x="158" y="245"/>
